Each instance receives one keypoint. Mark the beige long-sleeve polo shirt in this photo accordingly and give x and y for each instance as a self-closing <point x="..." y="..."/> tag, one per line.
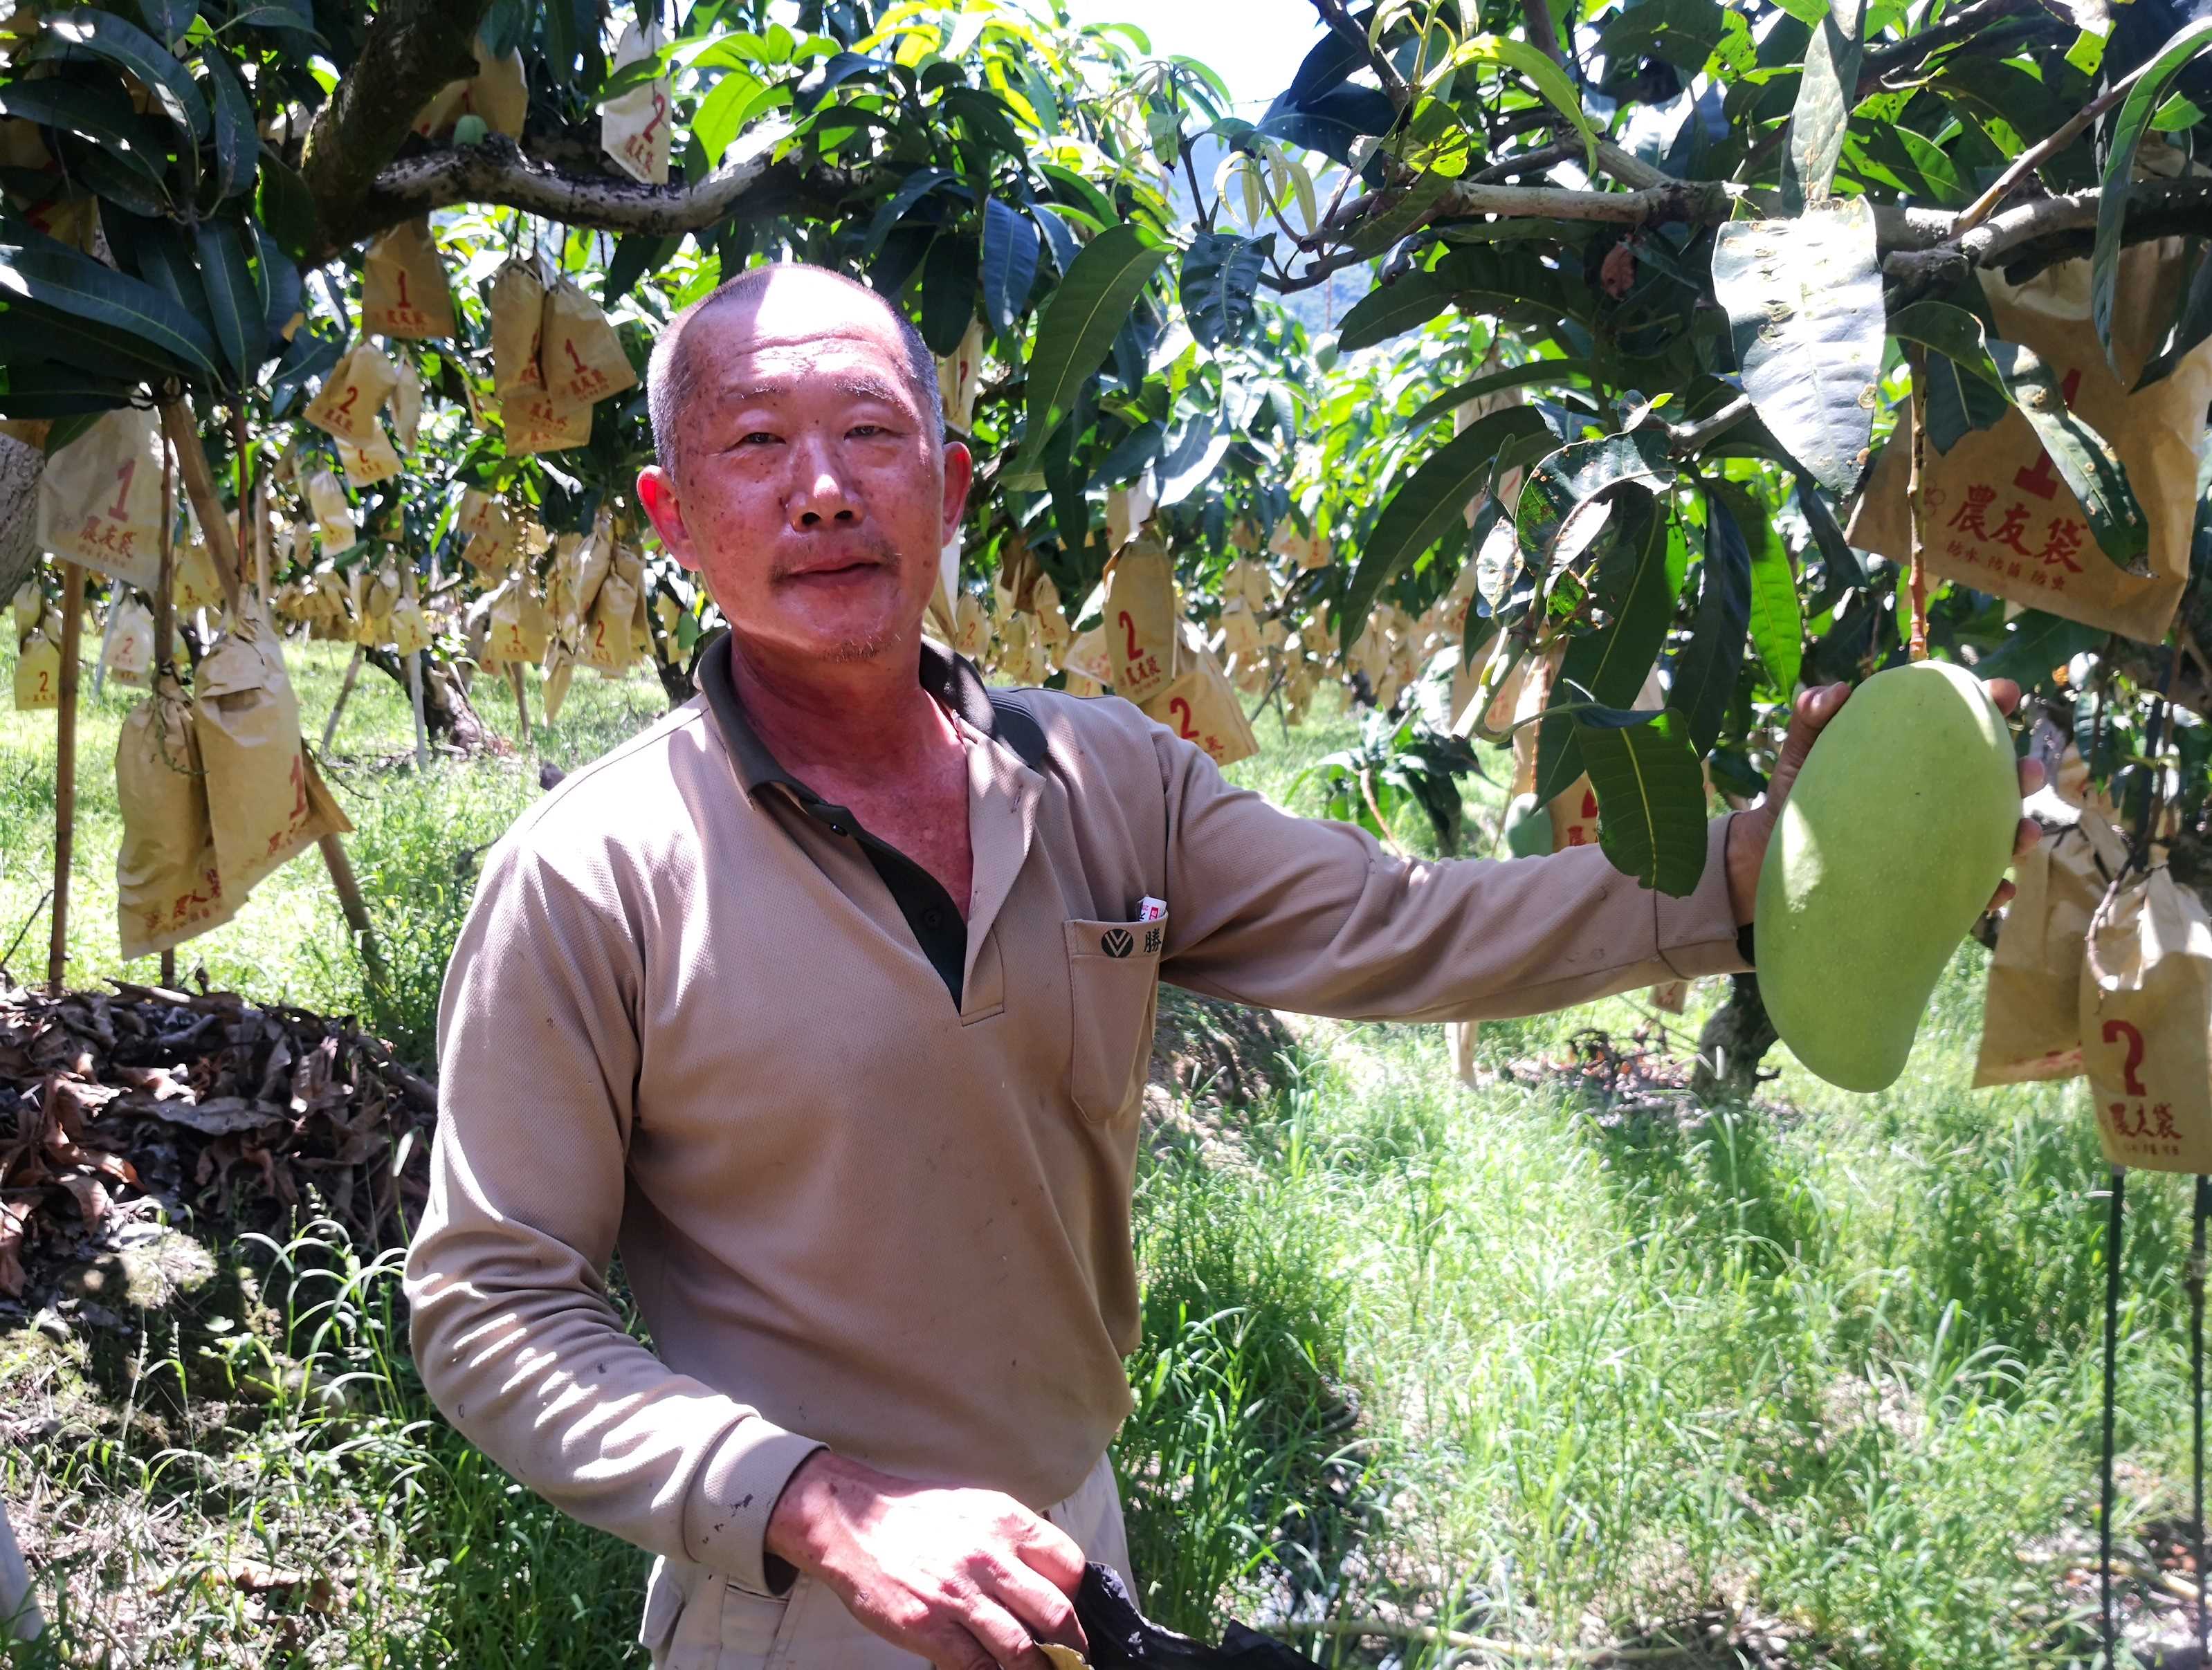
<point x="692" y="1015"/>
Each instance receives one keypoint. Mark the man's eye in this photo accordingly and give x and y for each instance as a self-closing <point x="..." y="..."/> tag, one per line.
<point x="867" y="430"/>
<point x="757" y="438"/>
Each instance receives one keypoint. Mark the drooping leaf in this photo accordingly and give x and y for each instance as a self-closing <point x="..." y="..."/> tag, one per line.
<point x="1804" y="305"/>
<point x="1010" y="264"/>
<point x="1610" y="665"/>
<point x="1425" y="507"/>
<point x="286" y="207"/>
<point x="1387" y="309"/>
<point x="2192" y="325"/>
<point x="1705" y="673"/>
<point x="1535" y="372"/>
<point x="41" y="269"/>
<point x="110" y="174"/>
<point x="1827" y="532"/>
<point x="1220" y="285"/>
<point x="1568" y="485"/>
<point x="86" y="33"/>
<point x="237" y="142"/>
<point x="1076" y="331"/>
<point x="234" y="302"/>
<point x="279" y="282"/>
<point x="948" y="291"/>
<point x="636" y="253"/>
<point x="2036" y="645"/>
<point x="59" y="391"/>
<point x="98" y="112"/>
<point x="2084" y="460"/>
<point x="2117" y="184"/>
<point x="1650" y="796"/>
<point x="1778" y="619"/>
<point x="1825" y="93"/>
<point x="914" y="187"/>
<point x="1401" y="217"/>
<point x="1542" y="73"/>
<point x="167" y="19"/>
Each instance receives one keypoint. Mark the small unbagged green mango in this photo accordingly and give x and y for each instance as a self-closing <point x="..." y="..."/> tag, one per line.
<point x="1896" y="833"/>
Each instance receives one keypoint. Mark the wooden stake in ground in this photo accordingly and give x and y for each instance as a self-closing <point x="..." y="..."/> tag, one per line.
<point x="415" y="675"/>
<point x="15" y="1601"/>
<point x="199" y="487"/>
<point x="521" y="705"/>
<point x="345" y="690"/>
<point x="165" y="620"/>
<point x="1917" y="638"/>
<point x="65" y="768"/>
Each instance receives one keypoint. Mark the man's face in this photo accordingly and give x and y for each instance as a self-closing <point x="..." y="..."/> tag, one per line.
<point x="809" y="491"/>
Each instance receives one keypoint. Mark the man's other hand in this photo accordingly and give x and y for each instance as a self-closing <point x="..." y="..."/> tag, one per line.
<point x="968" y="1579"/>
<point x="1751" y="831"/>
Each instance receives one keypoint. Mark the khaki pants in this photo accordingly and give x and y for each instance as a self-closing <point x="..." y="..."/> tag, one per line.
<point x="697" y="1619"/>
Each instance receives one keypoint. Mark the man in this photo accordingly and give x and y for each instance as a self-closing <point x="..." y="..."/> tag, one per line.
<point x="829" y="1000"/>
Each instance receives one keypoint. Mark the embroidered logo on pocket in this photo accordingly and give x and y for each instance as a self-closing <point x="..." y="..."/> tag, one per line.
<point x="1116" y="942"/>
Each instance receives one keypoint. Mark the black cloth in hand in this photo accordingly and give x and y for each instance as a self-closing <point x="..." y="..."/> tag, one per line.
<point x="1122" y="1638"/>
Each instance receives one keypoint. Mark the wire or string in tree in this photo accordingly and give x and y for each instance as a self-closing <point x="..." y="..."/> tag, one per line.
<point x="2203" y="1210"/>
<point x="2117" y="1200"/>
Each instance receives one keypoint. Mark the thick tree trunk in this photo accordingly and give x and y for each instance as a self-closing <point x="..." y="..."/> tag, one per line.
<point x="1734" y="1041"/>
<point x="451" y="718"/>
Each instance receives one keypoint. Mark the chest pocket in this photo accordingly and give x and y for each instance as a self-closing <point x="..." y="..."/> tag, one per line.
<point x="1113" y="984"/>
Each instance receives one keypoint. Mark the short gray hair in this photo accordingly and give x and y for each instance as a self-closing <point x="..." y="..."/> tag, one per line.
<point x="672" y="377"/>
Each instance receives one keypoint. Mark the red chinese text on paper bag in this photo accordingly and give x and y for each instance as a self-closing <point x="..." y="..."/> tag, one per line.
<point x="266" y="801"/>
<point x="1140" y="621"/>
<point x="2146" y="1020"/>
<point x="1201" y="708"/>
<point x="168" y="885"/>
<point x="539" y="422"/>
<point x="38" y="665"/>
<point x="351" y="396"/>
<point x="581" y="356"/>
<point x="100" y="499"/>
<point x="2001" y="520"/>
<point x="126" y="648"/>
<point x="403" y="286"/>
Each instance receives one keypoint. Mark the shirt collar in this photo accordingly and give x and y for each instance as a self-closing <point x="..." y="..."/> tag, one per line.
<point x="949" y="677"/>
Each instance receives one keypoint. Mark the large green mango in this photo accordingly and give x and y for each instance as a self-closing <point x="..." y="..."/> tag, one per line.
<point x="1897" y="832"/>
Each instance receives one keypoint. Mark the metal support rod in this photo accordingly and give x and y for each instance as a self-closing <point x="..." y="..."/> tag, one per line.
<point x="165" y="621"/>
<point x="415" y="675"/>
<point x="65" y="768"/>
<point x="2118" y="1201"/>
<point x="2203" y="1210"/>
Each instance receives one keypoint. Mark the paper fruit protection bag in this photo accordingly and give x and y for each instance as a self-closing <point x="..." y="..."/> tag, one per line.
<point x="2031" y="1006"/>
<point x="1999" y="517"/>
<point x="38" y="650"/>
<point x="518" y="316"/>
<point x="266" y="801"/>
<point x="167" y="884"/>
<point x="634" y="125"/>
<point x="1201" y="708"/>
<point x="1140" y="621"/>
<point x="580" y="353"/>
<point x="2145" y="1019"/>
<point x="346" y="405"/>
<point x="126" y="650"/>
<point x="100" y="499"/>
<point x="403" y="287"/>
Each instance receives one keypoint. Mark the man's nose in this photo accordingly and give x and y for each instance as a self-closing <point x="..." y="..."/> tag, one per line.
<point x="820" y="492"/>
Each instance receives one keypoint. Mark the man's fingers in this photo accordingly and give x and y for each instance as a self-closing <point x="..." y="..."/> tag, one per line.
<point x="1051" y="1552"/>
<point x="2002" y="897"/>
<point x="1005" y="1641"/>
<point x="2024" y="837"/>
<point x="2005" y="694"/>
<point x="2033" y="777"/>
<point x="1040" y="1607"/>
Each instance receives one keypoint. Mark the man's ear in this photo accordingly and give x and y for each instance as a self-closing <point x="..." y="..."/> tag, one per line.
<point x="656" y="491"/>
<point x="960" y="475"/>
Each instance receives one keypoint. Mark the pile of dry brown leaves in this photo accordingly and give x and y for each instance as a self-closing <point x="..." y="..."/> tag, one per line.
<point x="212" y="1106"/>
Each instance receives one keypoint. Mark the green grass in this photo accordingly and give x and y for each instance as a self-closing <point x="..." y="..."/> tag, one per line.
<point x="1481" y="1357"/>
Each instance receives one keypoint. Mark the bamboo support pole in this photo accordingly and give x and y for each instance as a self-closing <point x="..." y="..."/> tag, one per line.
<point x="19" y="1609"/>
<point x="199" y="487"/>
<point x="164" y="621"/>
<point x="345" y="690"/>
<point x="65" y="768"/>
<point x="415" y="676"/>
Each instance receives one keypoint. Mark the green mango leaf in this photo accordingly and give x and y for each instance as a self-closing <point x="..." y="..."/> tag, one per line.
<point x="167" y="19"/>
<point x="948" y="291"/>
<point x="234" y="302"/>
<point x="97" y="111"/>
<point x="277" y="277"/>
<point x="2118" y="182"/>
<point x="2192" y="324"/>
<point x="636" y="253"/>
<point x="1964" y="391"/>
<point x="1562" y="492"/>
<point x="1221" y="283"/>
<point x="59" y="391"/>
<point x="2084" y="460"/>
<point x="1610" y="665"/>
<point x="1704" y="672"/>
<point x="1825" y="93"/>
<point x="1542" y="73"/>
<point x="1804" y="305"/>
<point x="1388" y="309"/>
<point x="1650" y="796"/>
<point x="1011" y="250"/>
<point x="1427" y="504"/>
<point x="1778" y="620"/>
<point x="1827" y="532"/>
<point x="1077" y="330"/>
<point x="1535" y="372"/>
<point x="110" y="174"/>
<point x="86" y="33"/>
<point x="286" y="207"/>
<point x="237" y="142"/>
<point x="40" y="269"/>
<point x="2036" y="644"/>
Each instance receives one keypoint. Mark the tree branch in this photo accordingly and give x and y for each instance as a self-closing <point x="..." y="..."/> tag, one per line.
<point x="1923" y="248"/>
<point x="414" y="48"/>
<point x="497" y="171"/>
<point x="1966" y="21"/>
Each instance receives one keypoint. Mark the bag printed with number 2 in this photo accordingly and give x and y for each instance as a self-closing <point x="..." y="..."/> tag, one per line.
<point x="2145" y="1019"/>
